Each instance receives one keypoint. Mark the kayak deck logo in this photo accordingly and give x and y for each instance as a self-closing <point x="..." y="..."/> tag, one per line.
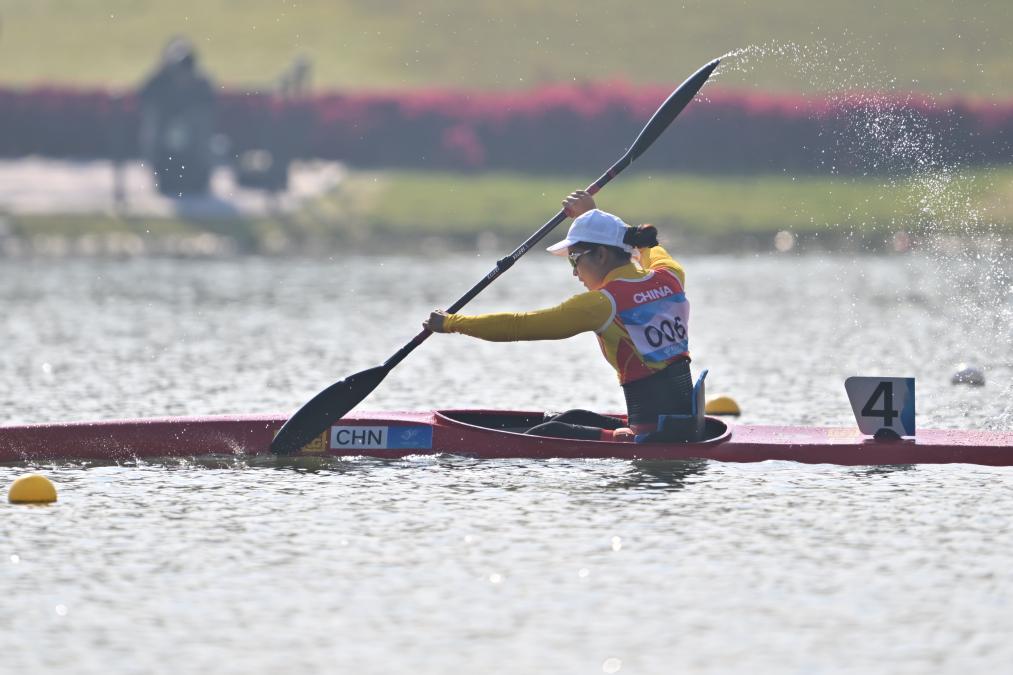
<point x="344" y="437"/>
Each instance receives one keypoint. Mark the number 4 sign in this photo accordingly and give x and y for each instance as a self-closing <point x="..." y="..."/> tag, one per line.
<point x="883" y="406"/>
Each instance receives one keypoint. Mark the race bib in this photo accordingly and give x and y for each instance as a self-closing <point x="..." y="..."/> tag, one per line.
<point x="659" y="329"/>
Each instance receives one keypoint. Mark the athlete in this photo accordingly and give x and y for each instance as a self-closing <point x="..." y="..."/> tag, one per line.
<point x="638" y="311"/>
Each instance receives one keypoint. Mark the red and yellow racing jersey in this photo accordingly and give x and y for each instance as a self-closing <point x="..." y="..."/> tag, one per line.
<point x="648" y="329"/>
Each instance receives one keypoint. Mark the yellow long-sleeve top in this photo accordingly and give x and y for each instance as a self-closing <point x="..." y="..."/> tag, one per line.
<point x="584" y="312"/>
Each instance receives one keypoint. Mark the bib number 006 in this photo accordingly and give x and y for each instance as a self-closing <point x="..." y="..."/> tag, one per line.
<point x="666" y="331"/>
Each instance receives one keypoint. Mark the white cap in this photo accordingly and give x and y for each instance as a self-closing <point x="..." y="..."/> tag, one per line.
<point x="594" y="227"/>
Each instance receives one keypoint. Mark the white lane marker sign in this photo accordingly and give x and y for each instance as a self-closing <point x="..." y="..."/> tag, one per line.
<point x="883" y="405"/>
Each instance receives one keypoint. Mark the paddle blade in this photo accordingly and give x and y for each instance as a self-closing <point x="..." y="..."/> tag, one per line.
<point x="671" y="108"/>
<point x="325" y="409"/>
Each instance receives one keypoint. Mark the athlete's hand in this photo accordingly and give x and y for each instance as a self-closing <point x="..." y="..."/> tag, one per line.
<point x="623" y="435"/>
<point x="435" y="321"/>
<point x="577" y="203"/>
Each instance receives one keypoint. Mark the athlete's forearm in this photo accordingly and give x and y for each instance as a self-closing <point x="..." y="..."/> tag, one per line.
<point x="579" y="314"/>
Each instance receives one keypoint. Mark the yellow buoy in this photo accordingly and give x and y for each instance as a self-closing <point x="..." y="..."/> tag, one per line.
<point x="32" y="488"/>
<point x="722" y="405"/>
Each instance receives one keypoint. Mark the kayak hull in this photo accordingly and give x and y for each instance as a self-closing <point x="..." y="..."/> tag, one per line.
<point x="483" y="434"/>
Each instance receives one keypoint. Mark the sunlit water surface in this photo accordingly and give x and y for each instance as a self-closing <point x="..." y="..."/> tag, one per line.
<point x="430" y="565"/>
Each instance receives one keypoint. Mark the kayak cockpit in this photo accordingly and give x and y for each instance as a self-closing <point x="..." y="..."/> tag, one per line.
<point x="513" y="421"/>
<point x="518" y="422"/>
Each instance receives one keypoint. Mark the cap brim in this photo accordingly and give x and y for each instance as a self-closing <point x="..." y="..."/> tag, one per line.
<point x="560" y="248"/>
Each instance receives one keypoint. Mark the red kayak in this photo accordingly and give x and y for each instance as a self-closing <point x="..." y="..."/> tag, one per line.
<point x="485" y="434"/>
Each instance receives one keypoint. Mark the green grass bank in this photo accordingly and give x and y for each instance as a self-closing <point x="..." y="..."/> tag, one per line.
<point x="452" y="204"/>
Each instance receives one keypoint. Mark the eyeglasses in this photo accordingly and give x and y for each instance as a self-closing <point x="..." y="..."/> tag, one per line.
<point x="575" y="256"/>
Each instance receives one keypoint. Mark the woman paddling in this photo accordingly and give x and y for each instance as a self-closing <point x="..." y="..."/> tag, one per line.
<point x="639" y="313"/>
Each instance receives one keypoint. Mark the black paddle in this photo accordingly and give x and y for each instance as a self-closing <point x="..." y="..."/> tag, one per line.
<point x="333" y="403"/>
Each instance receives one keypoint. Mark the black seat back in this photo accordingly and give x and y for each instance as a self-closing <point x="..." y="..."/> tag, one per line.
<point x="682" y="428"/>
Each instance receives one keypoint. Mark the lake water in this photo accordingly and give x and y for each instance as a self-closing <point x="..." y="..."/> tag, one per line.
<point x="428" y="565"/>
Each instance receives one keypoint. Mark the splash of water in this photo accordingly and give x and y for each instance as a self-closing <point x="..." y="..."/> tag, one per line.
<point x="886" y="135"/>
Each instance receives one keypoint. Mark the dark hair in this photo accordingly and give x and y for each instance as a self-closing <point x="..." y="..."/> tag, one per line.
<point x="643" y="236"/>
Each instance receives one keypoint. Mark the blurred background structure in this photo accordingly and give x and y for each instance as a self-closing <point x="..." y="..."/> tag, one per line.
<point x="177" y="109"/>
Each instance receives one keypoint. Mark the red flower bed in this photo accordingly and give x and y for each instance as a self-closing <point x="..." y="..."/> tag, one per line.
<point x="553" y="128"/>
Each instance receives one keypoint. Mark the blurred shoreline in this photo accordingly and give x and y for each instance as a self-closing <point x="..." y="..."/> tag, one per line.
<point x="57" y="208"/>
<point x="240" y="239"/>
